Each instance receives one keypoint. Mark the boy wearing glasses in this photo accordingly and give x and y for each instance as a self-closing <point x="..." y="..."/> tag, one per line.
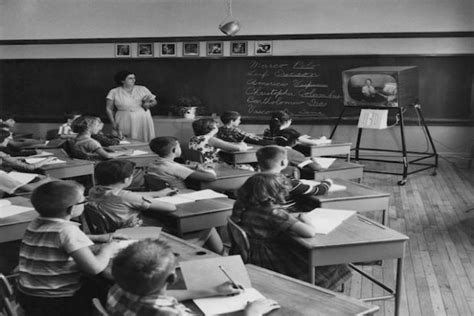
<point x="54" y="253"/>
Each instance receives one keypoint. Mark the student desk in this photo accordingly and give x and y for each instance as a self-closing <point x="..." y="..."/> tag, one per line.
<point x="357" y="239"/>
<point x="71" y="168"/>
<point x="185" y="251"/>
<point x="301" y="298"/>
<point x="228" y="179"/>
<point x="13" y="227"/>
<point x="325" y="150"/>
<point x="198" y="215"/>
<point x="140" y="160"/>
<point x="240" y="157"/>
<point x="357" y="197"/>
<point x="338" y="169"/>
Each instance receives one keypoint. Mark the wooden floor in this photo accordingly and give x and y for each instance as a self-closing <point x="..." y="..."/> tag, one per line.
<point x="439" y="258"/>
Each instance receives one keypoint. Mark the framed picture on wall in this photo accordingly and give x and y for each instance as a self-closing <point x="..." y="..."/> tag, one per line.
<point x="238" y="48"/>
<point x="145" y="49"/>
<point x="263" y="48"/>
<point x="215" y="49"/>
<point x="123" y="50"/>
<point x="167" y="49"/>
<point x="191" y="49"/>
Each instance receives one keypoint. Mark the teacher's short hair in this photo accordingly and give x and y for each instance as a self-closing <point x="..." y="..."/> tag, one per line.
<point x="121" y="75"/>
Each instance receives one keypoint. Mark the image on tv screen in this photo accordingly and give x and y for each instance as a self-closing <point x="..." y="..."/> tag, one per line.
<point x="374" y="89"/>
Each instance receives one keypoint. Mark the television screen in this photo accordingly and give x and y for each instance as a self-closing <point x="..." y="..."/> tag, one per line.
<point x="380" y="86"/>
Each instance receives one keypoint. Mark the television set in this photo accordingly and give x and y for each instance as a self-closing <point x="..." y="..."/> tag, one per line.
<point x="380" y="86"/>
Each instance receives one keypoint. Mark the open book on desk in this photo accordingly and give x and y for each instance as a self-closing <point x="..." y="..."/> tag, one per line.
<point x="209" y="273"/>
<point x="334" y="187"/>
<point x="7" y="209"/>
<point x="326" y="220"/>
<point x="191" y="197"/>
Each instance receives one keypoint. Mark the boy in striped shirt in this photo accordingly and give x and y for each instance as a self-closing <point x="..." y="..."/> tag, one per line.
<point x="54" y="253"/>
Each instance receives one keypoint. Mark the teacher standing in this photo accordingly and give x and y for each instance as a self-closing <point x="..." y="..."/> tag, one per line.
<point x="131" y="104"/>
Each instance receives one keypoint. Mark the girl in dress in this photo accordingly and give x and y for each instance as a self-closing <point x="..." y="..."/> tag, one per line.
<point x="258" y="210"/>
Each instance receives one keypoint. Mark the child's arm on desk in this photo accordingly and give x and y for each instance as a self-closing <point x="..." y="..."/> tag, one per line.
<point x="202" y="173"/>
<point x="221" y="290"/>
<point x="301" y="229"/>
<point x="110" y="155"/>
<point x="227" y="146"/>
<point x="91" y="263"/>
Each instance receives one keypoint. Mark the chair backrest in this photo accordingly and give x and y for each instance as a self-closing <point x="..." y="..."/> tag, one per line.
<point x="239" y="240"/>
<point x="154" y="183"/>
<point x="97" y="222"/>
<point x="193" y="155"/>
<point x="7" y="299"/>
<point x="99" y="309"/>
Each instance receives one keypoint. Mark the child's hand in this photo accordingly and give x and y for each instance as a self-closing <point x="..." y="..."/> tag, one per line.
<point x="166" y="192"/>
<point x="322" y="138"/>
<point x="260" y="307"/>
<point x="305" y="136"/>
<point x="227" y="289"/>
<point x="243" y="146"/>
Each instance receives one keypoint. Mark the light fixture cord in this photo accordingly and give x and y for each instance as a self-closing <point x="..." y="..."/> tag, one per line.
<point x="229" y="8"/>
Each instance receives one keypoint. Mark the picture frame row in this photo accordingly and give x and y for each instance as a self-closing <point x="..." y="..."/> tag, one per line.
<point x="192" y="49"/>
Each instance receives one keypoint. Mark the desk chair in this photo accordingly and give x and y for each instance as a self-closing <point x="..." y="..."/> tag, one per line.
<point x="97" y="222"/>
<point x="8" y="306"/>
<point x="239" y="241"/>
<point x="154" y="183"/>
<point x="99" y="309"/>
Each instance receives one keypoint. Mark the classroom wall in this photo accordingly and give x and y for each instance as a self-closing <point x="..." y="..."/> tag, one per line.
<point x="29" y="28"/>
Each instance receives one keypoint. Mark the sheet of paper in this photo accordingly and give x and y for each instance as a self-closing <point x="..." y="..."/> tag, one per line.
<point x="206" y="273"/>
<point x="322" y="141"/>
<point x="324" y="162"/>
<point x="10" y="210"/>
<point x="43" y="154"/>
<point x="140" y="232"/>
<point x="124" y="142"/>
<point x="174" y="199"/>
<point x="22" y="176"/>
<point x="227" y="304"/>
<point x="36" y="160"/>
<point x="334" y="187"/>
<point x="202" y="195"/>
<point x="5" y="202"/>
<point x="137" y="152"/>
<point x="326" y="220"/>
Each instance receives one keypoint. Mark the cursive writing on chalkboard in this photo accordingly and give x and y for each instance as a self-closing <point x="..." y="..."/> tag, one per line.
<point x="297" y="87"/>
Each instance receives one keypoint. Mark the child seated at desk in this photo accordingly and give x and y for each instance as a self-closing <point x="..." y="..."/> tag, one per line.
<point x="174" y="173"/>
<point x="207" y="144"/>
<point x="231" y="133"/>
<point x="124" y="208"/>
<point x="259" y="210"/>
<point x="65" y="130"/>
<point x="84" y="146"/>
<point x="144" y="270"/>
<point x="8" y="162"/>
<point x="16" y="145"/>
<point x="279" y="127"/>
<point x="272" y="160"/>
<point x="54" y="253"/>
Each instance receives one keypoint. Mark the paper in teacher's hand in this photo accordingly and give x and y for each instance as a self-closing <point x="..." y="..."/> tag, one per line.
<point x="206" y="273"/>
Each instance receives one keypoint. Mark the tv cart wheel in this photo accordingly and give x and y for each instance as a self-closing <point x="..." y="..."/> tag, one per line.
<point x="402" y="182"/>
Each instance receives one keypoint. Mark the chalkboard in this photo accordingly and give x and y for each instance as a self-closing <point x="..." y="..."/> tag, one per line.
<point x="310" y="87"/>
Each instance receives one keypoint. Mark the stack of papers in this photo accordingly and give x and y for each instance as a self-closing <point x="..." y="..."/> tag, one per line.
<point x="191" y="197"/>
<point x="326" y="220"/>
<point x="36" y="160"/>
<point x="137" y="152"/>
<point x="207" y="273"/>
<point x="7" y="209"/>
<point x="334" y="187"/>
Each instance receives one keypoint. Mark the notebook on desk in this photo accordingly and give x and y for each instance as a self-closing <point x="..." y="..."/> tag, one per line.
<point x="191" y="197"/>
<point x="326" y="220"/>
<point x="7" y="209"/>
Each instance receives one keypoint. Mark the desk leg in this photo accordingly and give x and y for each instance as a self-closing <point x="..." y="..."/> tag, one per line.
<point x="385" y="217"/>
<point x="312" y="267"/>
<point x="398" y="285"/>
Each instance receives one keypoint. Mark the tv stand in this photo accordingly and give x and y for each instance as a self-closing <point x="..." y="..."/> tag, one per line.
<point x="404" y="152"/>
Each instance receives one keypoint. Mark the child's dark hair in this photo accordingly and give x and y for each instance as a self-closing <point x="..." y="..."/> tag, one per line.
<point x="229" y="116"/>
<point x="83" y="123"/>
<point x="203" y="126"/>
<point x="162" y="146"/>
<point x="56" y="197"/>
<point x="120" y="76"/>
<point x="270" y="156"/>
<point x="4" y="134"/>
<point x="287" y="137"/>
<point x="113" y="171"/>
<point x="144" y="267"/>
<point x="263" y="189"/>
<point x="278" y="119"/>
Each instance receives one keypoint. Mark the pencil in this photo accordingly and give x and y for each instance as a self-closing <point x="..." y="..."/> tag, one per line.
<point x="228" y="276"/>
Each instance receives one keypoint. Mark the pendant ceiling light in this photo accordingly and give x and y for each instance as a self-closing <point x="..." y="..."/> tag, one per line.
<point x="229" y="26"/>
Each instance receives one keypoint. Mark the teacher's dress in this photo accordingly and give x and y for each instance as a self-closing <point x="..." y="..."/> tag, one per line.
<point x="133" y="121"/>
